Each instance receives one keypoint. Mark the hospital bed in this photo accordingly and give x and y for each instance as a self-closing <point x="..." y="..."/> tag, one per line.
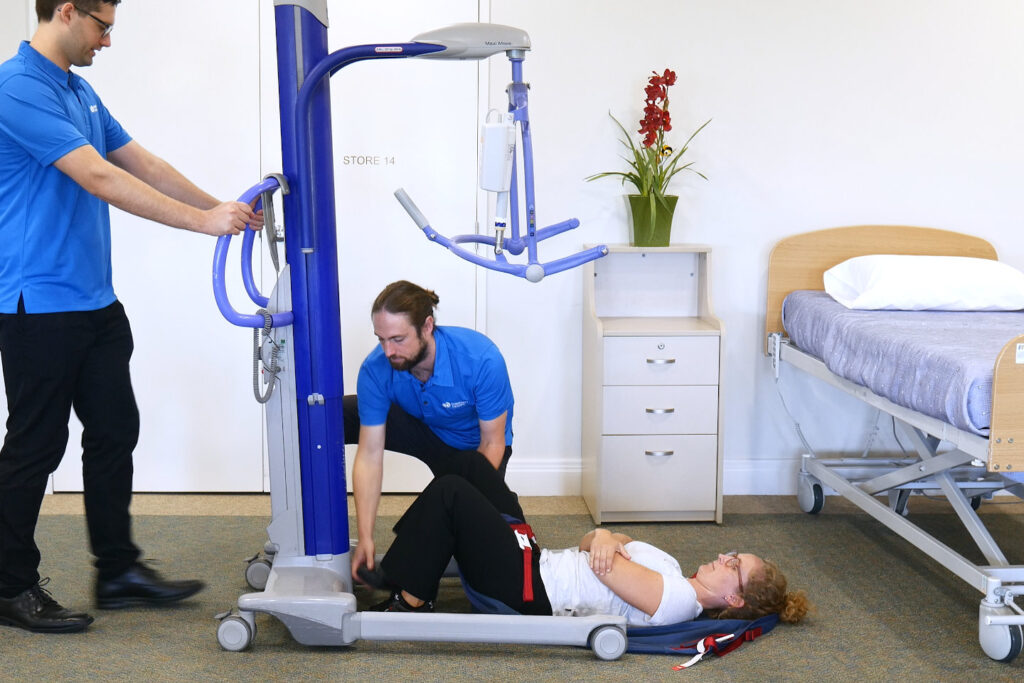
<point x="960" y="461"/>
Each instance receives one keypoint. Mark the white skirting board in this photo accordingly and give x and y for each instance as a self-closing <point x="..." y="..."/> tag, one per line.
<point x="544" y="477"/>
<point x="561" y="477"/>
<point x="761" y="477"/>
<point x="527" y="476"/>
<point x="547" y="477"/>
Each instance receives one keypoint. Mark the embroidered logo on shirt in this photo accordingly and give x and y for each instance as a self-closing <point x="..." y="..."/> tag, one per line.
<point x="447" y="405"/>
<point x="94" y="109"/>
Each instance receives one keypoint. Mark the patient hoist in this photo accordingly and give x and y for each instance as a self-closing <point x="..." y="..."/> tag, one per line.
<point x="303" y="577"/>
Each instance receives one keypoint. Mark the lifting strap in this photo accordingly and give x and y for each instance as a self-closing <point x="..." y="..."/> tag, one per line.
<point x="526" y="538"/>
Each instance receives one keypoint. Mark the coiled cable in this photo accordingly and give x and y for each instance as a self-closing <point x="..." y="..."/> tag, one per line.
<point x="257" y="357"/>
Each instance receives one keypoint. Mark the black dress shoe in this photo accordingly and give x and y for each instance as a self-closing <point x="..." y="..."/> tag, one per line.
<point x="141" y="585"/>
<point x="34" y="609"/>
<point x="396" y="603"/>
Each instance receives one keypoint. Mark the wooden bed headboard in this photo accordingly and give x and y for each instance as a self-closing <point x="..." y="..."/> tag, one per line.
<point x="798" y="262"/>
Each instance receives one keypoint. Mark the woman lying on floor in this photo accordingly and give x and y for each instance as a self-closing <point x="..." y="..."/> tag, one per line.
<point x="460" y="515"/>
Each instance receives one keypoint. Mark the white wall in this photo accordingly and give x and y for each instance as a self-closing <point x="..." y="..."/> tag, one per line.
<point x="19" y="18"/>
<point x="825" y="113"/>
<point x="187" y="90"/>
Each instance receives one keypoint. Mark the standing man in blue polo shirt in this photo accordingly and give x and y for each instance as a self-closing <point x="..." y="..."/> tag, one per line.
<point x="439" y="394"/>
<point x="64" y="338"/>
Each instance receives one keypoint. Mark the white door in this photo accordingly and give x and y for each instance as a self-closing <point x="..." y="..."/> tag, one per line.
<point x="396" y="123"/>
<point x="187" y="89"/>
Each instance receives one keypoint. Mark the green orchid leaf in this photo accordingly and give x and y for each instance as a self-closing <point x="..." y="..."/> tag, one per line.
<point x="653" y="164"/>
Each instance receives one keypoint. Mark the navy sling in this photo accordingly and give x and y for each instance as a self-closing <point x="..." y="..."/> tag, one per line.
<point x="696" y="638"/>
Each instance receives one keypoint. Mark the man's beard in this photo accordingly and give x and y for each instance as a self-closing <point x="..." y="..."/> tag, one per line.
<point x="406" y="365"/>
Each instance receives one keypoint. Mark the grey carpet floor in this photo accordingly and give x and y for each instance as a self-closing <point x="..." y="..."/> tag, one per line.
<point x="885" y="612"/>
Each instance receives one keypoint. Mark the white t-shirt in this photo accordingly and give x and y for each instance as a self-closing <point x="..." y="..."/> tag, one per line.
<point x="574" y="590"/>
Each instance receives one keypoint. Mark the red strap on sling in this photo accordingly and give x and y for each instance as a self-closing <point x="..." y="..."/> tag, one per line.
<point x="524" y="534"/>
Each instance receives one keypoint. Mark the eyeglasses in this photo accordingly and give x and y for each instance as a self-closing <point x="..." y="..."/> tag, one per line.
<point x="107" y="28"/>
<point x="734" y="563"/>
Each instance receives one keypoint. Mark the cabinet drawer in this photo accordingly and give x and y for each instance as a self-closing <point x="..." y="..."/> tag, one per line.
<point x="660" y="410"/>
<point x="658" y="473"/>
<point x="661" y="360"/>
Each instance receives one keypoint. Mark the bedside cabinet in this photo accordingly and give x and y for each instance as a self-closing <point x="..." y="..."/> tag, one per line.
<point x="652" y="419"/>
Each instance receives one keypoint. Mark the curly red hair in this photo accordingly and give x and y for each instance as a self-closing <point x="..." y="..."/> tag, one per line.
<point x="765" y="593"/>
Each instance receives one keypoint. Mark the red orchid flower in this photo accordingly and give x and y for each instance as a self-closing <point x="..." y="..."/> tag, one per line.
<point x="653" y="163"/>
<point x="655" y="92"/>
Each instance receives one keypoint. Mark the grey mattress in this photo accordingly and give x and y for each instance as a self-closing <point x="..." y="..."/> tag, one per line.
<point x="935" y="362"/>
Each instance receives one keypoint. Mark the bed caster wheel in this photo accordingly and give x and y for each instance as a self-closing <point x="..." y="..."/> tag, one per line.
<point x="976" y="502"/>
<point x="1001" y="642"/>
<point x="608" y="642"/>
<point x="809" y="494"/>
<point x="257" y="573"/>
<point x="235" y="634"/>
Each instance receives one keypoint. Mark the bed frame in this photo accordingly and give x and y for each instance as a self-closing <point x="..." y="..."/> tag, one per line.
<point x="972" y="470"/>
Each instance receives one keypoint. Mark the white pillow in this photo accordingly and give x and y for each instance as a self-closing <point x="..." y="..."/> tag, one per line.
<point x="925" y="283"/>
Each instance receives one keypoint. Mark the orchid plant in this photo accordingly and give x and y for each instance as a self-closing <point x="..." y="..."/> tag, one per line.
<point x="654" y="163"/>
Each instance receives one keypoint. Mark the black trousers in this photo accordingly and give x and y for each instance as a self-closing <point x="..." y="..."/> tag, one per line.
<point x="459" y="515"/>
<point x="406" y="434"/>
<point x="51" y="363"/>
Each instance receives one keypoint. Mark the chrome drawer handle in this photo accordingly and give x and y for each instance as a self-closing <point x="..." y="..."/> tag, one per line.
<point x="659" y="454"/>
<point x="661" y="361"/>
<point x="660" y="411"/>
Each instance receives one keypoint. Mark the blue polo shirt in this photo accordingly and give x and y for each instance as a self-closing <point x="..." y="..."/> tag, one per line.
<point x="470" y="383"/>
<point x="54" y="236"/>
